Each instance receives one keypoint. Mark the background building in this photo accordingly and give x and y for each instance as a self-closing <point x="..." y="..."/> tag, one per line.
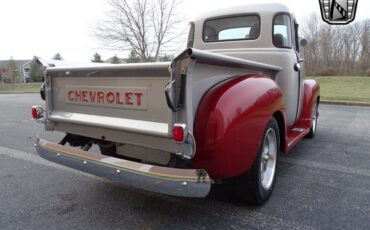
<point x="22" y="70"/>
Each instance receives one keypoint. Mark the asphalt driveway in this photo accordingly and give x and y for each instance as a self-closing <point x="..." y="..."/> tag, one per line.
<point x="324" y="183"/>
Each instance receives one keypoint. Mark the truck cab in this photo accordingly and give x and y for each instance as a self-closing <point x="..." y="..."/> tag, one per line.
<point x="266" y="33"/>
<point x="220" y="112"/>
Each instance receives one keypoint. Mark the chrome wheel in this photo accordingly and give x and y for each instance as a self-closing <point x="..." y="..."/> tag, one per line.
<point x="268" y="159"/>
<point x="314" y="118"/>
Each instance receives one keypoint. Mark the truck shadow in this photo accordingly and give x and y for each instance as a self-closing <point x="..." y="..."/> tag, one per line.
<point x="161" y="211"/>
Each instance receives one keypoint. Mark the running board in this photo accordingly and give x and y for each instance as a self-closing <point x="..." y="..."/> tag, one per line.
<point x="295" y="135"/>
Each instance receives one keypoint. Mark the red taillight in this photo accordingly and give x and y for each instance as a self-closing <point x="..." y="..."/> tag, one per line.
<point x="37" y="112"/>
<point x="178" y="134"/>
<point x="34" y="113"/>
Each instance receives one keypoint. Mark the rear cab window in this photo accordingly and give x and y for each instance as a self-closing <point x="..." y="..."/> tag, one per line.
<point x="233" y="28"/>
<point x="282" y="31"/>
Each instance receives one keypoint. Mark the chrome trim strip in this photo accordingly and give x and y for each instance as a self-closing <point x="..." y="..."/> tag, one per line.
<point x="205" y="57"/>
<point x="169" y="181"/>
<point x="109" y="70"/>
<point x="122" y="124"/>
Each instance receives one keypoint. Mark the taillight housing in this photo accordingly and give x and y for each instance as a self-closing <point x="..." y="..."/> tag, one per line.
<point x="179" y="133"/>
<point x="37" y="112"/>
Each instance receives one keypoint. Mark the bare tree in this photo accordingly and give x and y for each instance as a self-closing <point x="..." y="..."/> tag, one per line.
<point x="146" y="27"/>
<point x="310" y="31"/>
<point x="336" y="50"/>
<point x="365" y="45"/>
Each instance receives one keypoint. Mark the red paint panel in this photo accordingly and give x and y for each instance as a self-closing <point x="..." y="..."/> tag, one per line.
<point x="311" y="93"/>
<point x="230" y="122"/>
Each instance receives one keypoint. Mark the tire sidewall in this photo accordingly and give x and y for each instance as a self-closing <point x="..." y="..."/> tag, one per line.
<point x="263" y="193"/>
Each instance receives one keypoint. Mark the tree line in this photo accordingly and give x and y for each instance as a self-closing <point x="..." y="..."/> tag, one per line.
<point x="148" y="30"/>
<point x="12" y="70"/>
<point x="336" y="50"/>
<point x="133" y="57"/>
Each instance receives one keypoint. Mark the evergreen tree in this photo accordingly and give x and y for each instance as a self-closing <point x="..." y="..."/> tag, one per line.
<point x="36" y="71"/>
<point x="115" y="60"/>
<point x="165" y="58"/>
<point x="133" y="57"/>
<point x="57" y="56"/>
<point x="12" y="71"/>
<point x="97" y="58"/>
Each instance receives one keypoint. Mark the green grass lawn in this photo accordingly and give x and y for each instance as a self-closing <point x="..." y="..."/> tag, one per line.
<point x="347" y="89"/>
<point x="20" y="88"/>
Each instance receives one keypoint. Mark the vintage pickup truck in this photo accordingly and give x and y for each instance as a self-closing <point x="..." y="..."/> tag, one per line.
<point x="220" y="112"/>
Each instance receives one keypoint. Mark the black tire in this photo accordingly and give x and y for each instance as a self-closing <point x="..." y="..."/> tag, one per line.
<point x="249" y="186"/>
<point x="315" y="115"/>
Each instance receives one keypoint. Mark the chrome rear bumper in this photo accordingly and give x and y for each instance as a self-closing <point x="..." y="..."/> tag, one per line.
<point x="169" y="181"/>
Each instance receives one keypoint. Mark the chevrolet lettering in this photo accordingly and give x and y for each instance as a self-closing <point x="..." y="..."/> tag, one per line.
<point x="125" y="98"/>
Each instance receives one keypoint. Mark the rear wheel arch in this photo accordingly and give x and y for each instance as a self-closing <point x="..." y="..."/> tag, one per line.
<point x="216" y="119"/>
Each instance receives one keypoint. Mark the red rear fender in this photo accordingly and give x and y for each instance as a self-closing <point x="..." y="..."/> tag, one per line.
<point x="230" y="122"/>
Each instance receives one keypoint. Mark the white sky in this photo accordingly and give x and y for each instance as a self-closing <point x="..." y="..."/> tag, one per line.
<point x="45" y="27"/>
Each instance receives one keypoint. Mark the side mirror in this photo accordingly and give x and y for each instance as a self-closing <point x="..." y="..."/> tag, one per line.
<point x="303" y="42"/>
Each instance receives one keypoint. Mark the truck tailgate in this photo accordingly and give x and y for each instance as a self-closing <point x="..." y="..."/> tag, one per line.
<point x="122" y="97"/>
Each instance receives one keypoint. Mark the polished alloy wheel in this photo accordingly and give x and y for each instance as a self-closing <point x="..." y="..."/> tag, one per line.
<point x="314" y="118"/>
<point x="268" y="161"/>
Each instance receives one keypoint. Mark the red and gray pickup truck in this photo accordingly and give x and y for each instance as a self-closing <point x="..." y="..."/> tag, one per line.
<point x="220" y="112"/>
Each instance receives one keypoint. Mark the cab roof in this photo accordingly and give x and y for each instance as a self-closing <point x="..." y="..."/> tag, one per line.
<point x="260" y="8"/>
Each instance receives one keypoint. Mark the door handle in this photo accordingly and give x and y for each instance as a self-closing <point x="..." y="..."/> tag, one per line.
<point x="297" y="67"/>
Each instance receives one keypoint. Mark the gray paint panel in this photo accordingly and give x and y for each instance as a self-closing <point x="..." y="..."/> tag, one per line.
<point x="205" y="70"/>
<point x="287" y="79"/>
<point x="154" y="107"/>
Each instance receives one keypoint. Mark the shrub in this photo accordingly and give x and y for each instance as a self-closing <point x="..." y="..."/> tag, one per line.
<point x="326" y="71"/>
